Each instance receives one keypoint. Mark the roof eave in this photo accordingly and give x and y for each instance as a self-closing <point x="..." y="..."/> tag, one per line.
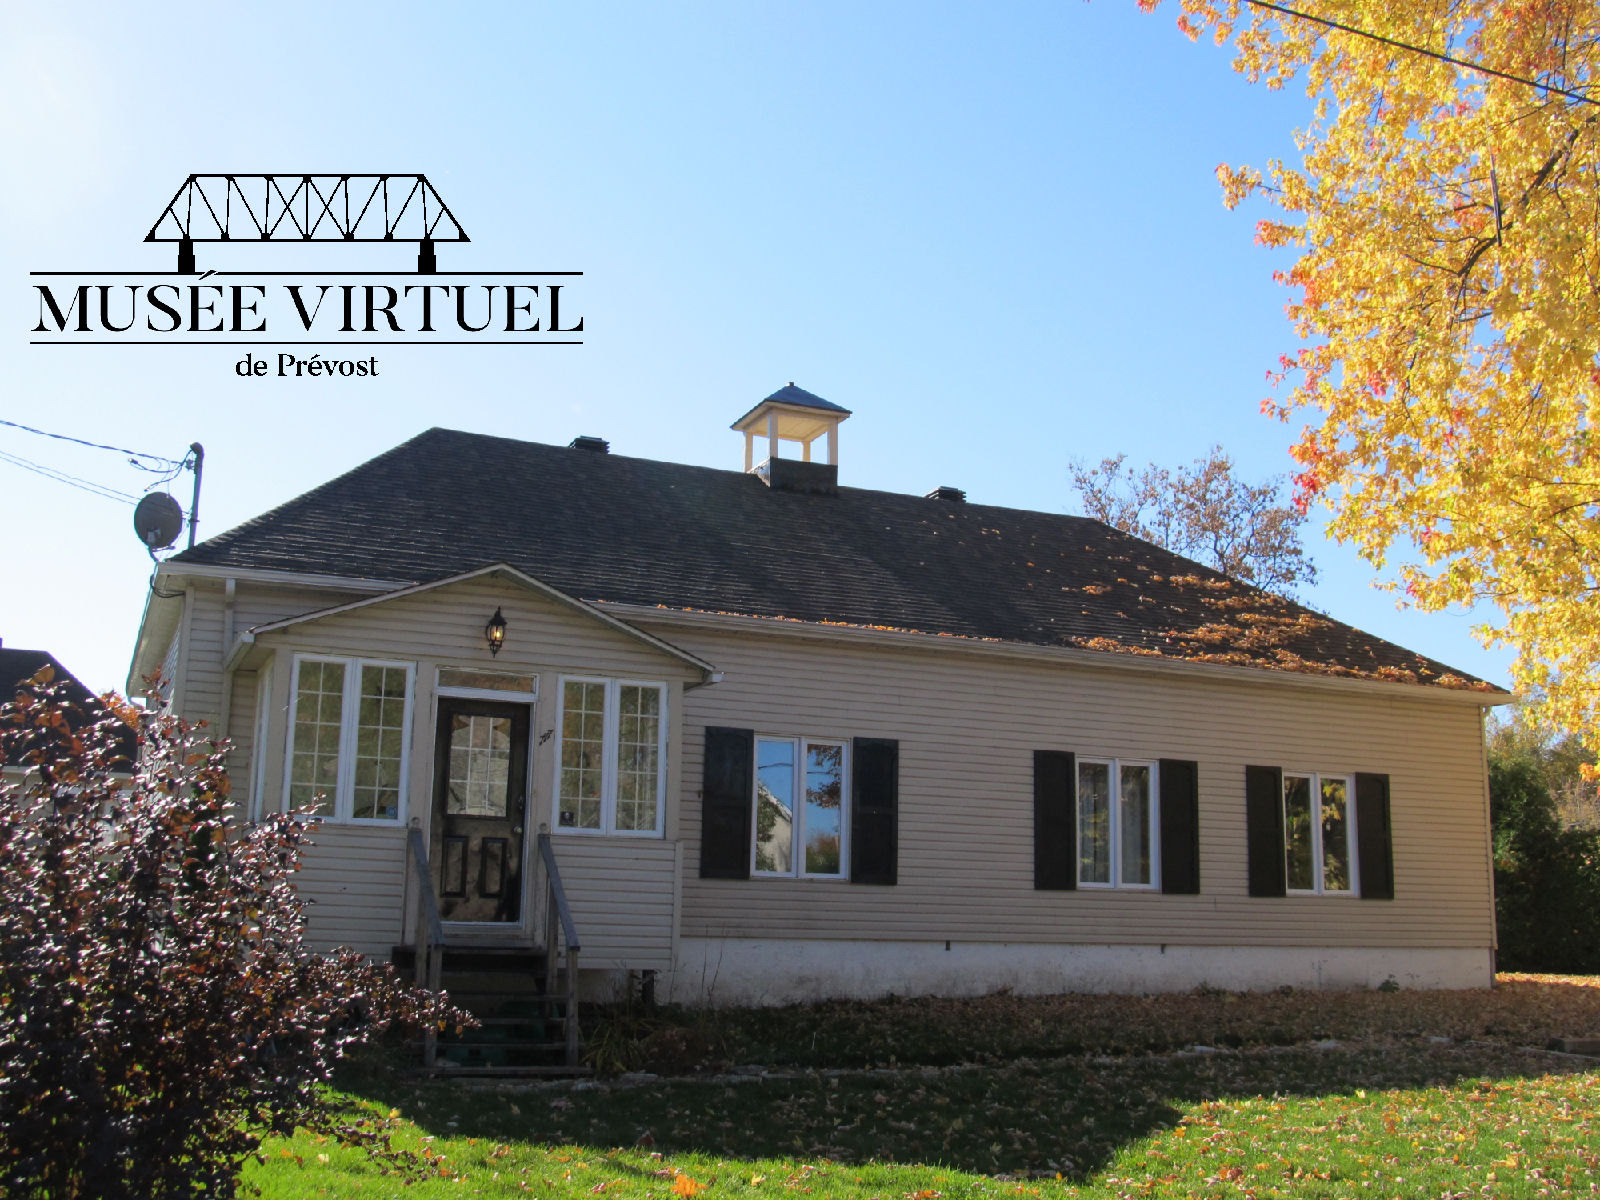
<point x="1102" y="659"/>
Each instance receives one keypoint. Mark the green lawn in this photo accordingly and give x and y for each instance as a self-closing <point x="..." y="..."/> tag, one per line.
<point x="1408" y="1117"/>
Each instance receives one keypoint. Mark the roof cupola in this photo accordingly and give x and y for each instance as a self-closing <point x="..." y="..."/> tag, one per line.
<point x="792" y="414"/>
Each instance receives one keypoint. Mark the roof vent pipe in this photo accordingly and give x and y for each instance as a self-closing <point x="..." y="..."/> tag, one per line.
<point x="947" y="493"/>
<point x="597" y="445"/>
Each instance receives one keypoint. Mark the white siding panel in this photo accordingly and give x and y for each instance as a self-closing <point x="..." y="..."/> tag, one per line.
<point x="354" y="878"/>
<point x="620" y="890"/>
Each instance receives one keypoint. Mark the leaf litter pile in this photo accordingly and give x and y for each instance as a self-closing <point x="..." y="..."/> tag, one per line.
<point x="1430" y="1107"/>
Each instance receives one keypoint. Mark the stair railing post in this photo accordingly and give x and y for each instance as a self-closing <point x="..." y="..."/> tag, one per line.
<point x="429" y="963"/>
<point x="572" y="1007"/>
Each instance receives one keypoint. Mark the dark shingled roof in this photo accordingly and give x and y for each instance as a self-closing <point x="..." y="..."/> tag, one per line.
<point x="800" y="398"/>
<point x="19" y="666"/>
<point x="612" y="528"/>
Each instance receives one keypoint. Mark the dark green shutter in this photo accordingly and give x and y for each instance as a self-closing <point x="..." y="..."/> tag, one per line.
<point x="1374" y="842"/>
<point x="727" y="795"/>
<point x="1263" y="803"/>
<point x="874" y="811"/>
<point x="1180" y="827"/>
<point x="1055" y="821"/>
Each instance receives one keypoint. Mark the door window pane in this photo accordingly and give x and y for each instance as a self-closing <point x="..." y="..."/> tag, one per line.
<point x="380" y="724"/>
<point x="1134" y="819"/>
<point x="1299" y="858"/>
<point x="1335" y="836"/>
<point x="638" y="756"/>
<point x="775" y="806"/>
<point x="583" y="727"/>
<point x="480" y="765"/>
<point x="318" y="719"/>
<point x="1094" y="823"/>
<point x="824" y="808"/>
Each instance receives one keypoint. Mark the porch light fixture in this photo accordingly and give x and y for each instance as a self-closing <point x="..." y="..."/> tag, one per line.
<point x="495" y="632"/>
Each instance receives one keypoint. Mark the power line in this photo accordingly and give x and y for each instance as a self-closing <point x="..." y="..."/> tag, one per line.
<point x="133" y="454"/>
<point x="86" y="485"/>
<point x="1455" y="62"/>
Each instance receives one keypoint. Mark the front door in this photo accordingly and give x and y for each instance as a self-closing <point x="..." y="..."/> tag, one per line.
<point x="479" y="797"/>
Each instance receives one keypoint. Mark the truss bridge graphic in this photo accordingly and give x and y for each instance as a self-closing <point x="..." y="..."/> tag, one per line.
<point x="307" y="208"/>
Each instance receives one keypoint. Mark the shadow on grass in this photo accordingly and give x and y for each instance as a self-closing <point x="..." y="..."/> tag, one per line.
<point x="1069" y="1116"/>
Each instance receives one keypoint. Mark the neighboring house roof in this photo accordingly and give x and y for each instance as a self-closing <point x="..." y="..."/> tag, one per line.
<point x="605" y="527"/>
<point x="19" y="666"/>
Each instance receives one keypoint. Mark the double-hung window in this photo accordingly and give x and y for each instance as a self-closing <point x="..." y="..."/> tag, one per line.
<point x="349" y="724"/>
<point x="1117" y="824"/>
<point x="1319" y="834"/>
<point x="612" y="761"/>
<point x="800" y="800"/>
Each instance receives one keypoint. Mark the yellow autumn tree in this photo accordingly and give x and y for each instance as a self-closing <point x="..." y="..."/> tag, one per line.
<point x="1448" y="299"/>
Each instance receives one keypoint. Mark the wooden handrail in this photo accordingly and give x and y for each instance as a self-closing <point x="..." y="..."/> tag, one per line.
<point x="569" y="928"/>
<point x="569" y="934"/>
<point x="425" y="897"/>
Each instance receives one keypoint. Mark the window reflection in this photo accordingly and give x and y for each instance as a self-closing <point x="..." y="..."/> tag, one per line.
<point x="1094" y="823"/>
<point x="1134" y="822"/>
<point x="1297" y="835"/>
<point x="775" y="806"/>
<point x="824" y="808"/>
<point x="1335" y="837"/>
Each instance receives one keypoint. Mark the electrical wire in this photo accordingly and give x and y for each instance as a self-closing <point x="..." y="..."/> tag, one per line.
<point x="1455" y="62"/>
<point x="133" y="455"/>
<point x="97" y="489"/>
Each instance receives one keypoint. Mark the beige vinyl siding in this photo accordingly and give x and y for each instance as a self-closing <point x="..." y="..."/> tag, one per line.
<point x="621" y="893"/>
<point x="621" y="888"/>
<point x="967" y="728"/>
<point x="355" y="880"/>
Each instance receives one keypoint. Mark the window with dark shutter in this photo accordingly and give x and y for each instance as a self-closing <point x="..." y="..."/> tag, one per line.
<point x="1263" y="802"/>
<point x="1180" y="827"/>
<point x="1055" y="821"/>
<point x="1375" y="843"/>
<point x="726" y="797"/>
<point x="874" y="815"/>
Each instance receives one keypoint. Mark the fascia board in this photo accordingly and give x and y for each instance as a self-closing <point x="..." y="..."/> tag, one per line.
<point x="1097" y="659"/>
<point x="157" y="624"/>
<point x="345" y="583"/>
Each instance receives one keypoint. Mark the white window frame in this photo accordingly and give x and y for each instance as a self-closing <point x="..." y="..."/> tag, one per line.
<point x="1116" y="765"/>
<point x="1350" y="834"/>
<point x="350" y="716"/>
<point x="608" y="758"/>
<point x="802" y="747"/>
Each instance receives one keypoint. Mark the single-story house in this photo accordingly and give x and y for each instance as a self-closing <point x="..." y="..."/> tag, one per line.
<point x="794" y="740"/>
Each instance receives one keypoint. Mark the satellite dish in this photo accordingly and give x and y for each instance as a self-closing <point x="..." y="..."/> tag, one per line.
<point x="158" y="521"/>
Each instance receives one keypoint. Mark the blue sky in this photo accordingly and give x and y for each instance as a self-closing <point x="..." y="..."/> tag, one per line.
<point x="992" y="231"/>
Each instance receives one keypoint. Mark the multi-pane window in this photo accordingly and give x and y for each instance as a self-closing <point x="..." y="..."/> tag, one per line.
<point x="1318" y="834"/>
<point x="349" y="724"/>
<point x="800" y="808"/>
<point x="1116" y="824"/>
<point x="611" y="764"/>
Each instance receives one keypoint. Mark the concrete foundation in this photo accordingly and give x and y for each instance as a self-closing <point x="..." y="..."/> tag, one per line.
<point x="731" y="972"/>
